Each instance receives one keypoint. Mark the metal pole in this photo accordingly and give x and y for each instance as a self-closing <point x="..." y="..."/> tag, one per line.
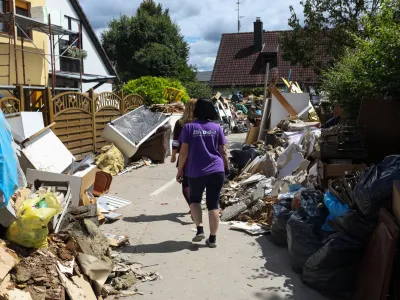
<point x="80" y="56"/>
<point x="14" y="29"/>
<point x="23" y="59"/>
<point x="41" y="52"/>
<point x="263" y="129"/>
<point x="53" y="80"/>
<point x="9" y="59"/>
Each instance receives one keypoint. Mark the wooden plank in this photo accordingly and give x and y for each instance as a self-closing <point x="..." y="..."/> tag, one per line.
<point x="76" y="144"/>
<point x="282" y="100"/>
<point x="103" y="120"/>
<point x="100" y="126"/>
<point x="74" y="116"/>
<point x="73" y="130"/>
<point x="100" y="140"/>
<point x="82" y="122"/>
<point x="75" y="137"/>
<point x="81" y="149"/>
<point x="106" y="113"/>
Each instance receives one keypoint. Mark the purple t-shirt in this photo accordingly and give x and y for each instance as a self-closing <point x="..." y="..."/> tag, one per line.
<point x="204" y="139"/>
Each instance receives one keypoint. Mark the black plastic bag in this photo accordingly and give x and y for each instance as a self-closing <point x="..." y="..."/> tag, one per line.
<point x="375" y="188"/>
<point x="304" y="237"/>
<point x="334" y="268"/>
<point x="242" y="157"/>
<point x="282" y="214"/>
<point x="311" y="200"/>
<point x="355" y="225"/>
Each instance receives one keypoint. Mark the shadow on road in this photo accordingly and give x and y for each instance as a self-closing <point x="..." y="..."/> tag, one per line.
<point x="278" y="265"/>
<point x="164" y="247"/>
<point x="173" y="217"/>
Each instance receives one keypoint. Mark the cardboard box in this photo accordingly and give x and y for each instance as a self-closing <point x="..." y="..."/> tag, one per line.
<point x="80" y="182"/>
<point x="330" y="171"/>
<point x="396" y="201"/>
<point x="252" y="135"/>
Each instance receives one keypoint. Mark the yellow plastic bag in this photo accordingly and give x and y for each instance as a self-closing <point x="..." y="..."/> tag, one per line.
<point x="30" y="229"/>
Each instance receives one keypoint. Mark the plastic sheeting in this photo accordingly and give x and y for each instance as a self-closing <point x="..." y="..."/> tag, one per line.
<point x="304" y="238"/>
<point x="375" y="187"/>
<point x="334" y="268"/>
<point x="8" y="164"/>
<point x="138" y="124"/>
<point x="336" y="209"/>
<point x="282" y="214"/>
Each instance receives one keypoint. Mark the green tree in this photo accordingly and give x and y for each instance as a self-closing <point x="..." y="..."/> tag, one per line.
<point x="328" y="28"/>
<point x="372" y="67"/>
<point x="149" y="43"/>
<point x="197" y="89"/>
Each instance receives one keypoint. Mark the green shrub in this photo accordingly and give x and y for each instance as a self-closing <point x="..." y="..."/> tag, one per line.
<point x="253" y="91"/>
<point x="372" y="68"/>
<point x="152" y="89"/>
<point x="197" y="89"/>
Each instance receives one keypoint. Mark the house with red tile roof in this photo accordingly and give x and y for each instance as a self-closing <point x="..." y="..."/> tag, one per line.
<point x="242" y="59"/>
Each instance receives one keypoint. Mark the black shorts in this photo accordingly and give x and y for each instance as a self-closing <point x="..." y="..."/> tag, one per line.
<point x="185" y="182"/>
<point x="212" y="184"/>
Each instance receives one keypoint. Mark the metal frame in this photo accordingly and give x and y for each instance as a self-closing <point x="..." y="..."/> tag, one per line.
<point x="24" y="23"/>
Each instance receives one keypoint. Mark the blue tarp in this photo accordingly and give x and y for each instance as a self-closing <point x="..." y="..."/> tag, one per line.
<point x="336" y="209"/>
<point x="8" y="163"/>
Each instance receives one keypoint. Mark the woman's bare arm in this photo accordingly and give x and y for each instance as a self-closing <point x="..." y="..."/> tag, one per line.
<point x="223" y="152"/>
<point x="183" y="155"/>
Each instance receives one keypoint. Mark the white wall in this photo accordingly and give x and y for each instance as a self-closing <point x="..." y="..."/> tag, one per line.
<point x="107" y="87"/>
<point x="93" y="64"/>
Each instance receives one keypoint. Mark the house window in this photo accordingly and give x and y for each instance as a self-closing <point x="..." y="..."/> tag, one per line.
<point x="22" y="8"/>
<point x="3" y="9"/>
<point x="68" y="64"/>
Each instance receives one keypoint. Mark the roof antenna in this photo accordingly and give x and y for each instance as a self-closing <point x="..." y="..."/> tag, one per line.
<point x="239" y="16"/>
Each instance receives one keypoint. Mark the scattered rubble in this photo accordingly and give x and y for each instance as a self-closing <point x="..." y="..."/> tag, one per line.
<point x="55" y="248"/>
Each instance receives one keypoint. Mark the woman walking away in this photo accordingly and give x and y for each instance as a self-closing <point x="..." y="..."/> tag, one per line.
<point x="203" y="160"/>
<point x="186" y="118"/>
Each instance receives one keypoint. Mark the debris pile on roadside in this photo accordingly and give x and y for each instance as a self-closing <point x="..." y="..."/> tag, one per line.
<point x="51" y="207"/>
<point x="170" y="108"/>
<point x="312" y="190"/>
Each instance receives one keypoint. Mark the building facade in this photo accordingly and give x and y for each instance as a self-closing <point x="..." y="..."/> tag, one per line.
<point x="40" y="47"/>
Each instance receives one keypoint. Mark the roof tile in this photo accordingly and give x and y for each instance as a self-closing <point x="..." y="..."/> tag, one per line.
<point x="238" y="65"/>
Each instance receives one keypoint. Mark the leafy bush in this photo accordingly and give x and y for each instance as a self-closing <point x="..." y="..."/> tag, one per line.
<point x="197" y="89"/>
<point x="152" y="88"/>
<point x="373" y="68"/>
<point x="253" y="91"/>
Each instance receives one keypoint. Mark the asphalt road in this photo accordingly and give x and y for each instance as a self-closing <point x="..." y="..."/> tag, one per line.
<point x="242" y="267"/>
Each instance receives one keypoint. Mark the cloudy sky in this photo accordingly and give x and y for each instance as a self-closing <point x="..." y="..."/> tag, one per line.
<point x="201" y="21"/>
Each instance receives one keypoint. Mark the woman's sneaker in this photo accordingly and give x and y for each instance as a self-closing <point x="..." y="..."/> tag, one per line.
<point x="211" y="245"/>
<point x="199" y="237"/>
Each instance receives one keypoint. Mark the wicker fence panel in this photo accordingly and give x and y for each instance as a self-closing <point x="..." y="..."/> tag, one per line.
<point x="73" y="114"/>
<point x="109" y="106"/>
<point x="132" y="102"/>
<point x="9" y="105"/>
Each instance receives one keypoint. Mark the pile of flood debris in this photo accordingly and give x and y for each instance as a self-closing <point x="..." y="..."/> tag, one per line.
<point x="311" y="189"/>
<point x="261" y="172"/>
<point x="51" y="209"/>
<point x="79" y="263"/>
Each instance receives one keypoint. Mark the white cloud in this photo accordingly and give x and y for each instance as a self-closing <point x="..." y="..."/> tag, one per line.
<point x="202" y="22"/>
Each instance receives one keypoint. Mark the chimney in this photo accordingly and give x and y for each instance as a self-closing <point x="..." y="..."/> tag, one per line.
<point x="258" y="35"/>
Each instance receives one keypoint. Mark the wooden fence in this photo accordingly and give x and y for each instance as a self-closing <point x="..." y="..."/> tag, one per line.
<point x="9" y="105"/>
<point x="79" y="118"/>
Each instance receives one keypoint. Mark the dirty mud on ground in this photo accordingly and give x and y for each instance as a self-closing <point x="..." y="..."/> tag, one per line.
<point x="243" y="267"/>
